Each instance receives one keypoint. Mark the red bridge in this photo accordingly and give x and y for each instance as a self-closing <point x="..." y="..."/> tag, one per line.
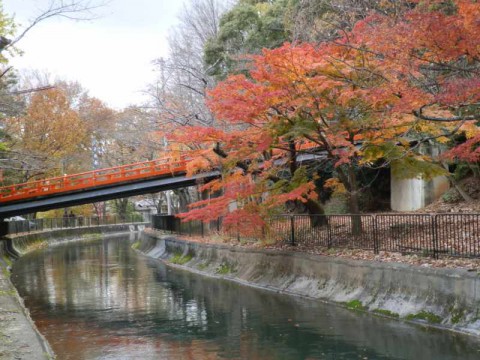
<point x="111" y="183"/>
<point x="98" y="185"/>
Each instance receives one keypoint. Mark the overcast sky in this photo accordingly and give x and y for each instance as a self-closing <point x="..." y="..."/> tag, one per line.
<point x="110" y="56"/>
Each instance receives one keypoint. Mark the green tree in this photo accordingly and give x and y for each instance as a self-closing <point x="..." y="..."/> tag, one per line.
<point x="247" y="28"/>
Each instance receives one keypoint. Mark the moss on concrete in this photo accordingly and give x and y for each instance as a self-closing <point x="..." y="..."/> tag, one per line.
<point x="179" y="259"/>
<point x="425" y="315"/>
<point x="456" y="315"/>
<point x="224" y="269"/>
<point x="355" y="305"/>
<point x="202" y="266"/>
<point x="386" y="313"/>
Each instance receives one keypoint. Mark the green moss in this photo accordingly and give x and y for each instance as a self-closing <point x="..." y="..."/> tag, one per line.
<point x="457" y="315"/>
<point x="425" y="315"/>
<point x="7" y="292"/>
<point x="202" y="266"/>
<point x="7" y="260"/>
<point x="224" y="269"/>
<point x="354" y="305"/>
<point x="180" y="260"/>
<point x="386" y="313"/>
<point x="136" y="245"/>
<point x="92" y="237"/>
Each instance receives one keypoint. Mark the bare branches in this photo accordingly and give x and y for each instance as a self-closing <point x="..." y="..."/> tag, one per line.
<point x="422" y="116"/>
<point x="79" y="10"/>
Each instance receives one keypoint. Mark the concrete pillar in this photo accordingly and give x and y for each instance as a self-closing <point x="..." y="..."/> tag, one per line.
<point x="168" y="195"/>
<point x="414" y="194"/>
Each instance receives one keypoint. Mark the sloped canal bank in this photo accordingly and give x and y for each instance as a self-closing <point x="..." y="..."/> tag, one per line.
<point x="101" y="300"/>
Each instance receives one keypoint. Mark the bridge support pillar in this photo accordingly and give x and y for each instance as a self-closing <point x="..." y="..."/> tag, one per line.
<point x="7" y="242"/>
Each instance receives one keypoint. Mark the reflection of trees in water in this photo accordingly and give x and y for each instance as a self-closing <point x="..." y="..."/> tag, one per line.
<point x="104" y="289"/>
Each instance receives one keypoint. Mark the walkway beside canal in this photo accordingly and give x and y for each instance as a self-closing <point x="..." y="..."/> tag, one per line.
<point x="19" y="338"/>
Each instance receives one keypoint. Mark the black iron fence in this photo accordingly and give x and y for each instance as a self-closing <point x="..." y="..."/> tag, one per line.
<point x="27" y="226"/>
<point x="456" y="235"/>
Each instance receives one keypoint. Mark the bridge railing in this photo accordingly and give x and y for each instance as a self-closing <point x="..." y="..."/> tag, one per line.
<point x="101" y="177"/>
<point x="435" y="235"/>
<point x="34" y="225"/>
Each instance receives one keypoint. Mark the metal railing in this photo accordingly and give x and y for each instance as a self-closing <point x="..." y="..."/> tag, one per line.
<point x="435" y="235"/>
<point x="160" y="167"/>
<point x="34" y="225"/>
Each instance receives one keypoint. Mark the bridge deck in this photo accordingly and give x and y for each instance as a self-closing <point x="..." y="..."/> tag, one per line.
<point x="167" y="167"/>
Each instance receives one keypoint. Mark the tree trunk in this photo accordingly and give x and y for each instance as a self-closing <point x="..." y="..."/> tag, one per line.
<point x="353" y="202"/>
<point x="460" y="190"/>
<point x="121" y="206"/>
<point x="183" y="199"/>
<point x="316" y="212"/>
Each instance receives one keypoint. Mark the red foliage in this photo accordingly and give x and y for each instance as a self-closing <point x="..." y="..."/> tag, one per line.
<point x="347" y="98"/>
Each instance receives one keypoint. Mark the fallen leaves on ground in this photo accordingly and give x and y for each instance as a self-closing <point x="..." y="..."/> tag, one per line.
<point x="354" y="254"/>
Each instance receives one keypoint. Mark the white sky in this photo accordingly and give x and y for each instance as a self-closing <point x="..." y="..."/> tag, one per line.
<point x="110" y="56"/>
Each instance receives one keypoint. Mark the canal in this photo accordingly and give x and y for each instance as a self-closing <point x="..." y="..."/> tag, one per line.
<point x="101" y="300"/>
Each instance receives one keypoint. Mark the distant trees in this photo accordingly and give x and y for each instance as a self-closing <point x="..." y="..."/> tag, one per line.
<point x="18" y="108"/>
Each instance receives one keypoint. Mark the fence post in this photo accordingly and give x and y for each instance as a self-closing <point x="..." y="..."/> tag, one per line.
<point x="202" y="229"/>
<point x="329" y="232"/>
<point x="190" y="228"/>
<point x="434" y="236"/>
<point x="292" y="230"/>
<point x="376" y="247"/>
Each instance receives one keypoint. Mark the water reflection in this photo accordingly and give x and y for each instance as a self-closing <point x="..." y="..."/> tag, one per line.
<point x="102" y="301"/>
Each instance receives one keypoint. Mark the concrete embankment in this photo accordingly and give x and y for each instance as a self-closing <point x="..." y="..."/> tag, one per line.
<point x="446" y="298"/>
<point x="19" y="337"/>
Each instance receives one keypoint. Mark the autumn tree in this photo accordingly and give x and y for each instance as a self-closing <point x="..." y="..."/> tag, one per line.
<point x="316" y="21"/>
<point x="368" y="99"/>
<point x="13" y="96"/>
<point x="49" y="131"/>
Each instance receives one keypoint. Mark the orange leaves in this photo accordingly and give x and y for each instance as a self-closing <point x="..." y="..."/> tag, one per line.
<point x="301" y="193"/>
<point x="355" y="99"/>
<point x="50" y="127"/>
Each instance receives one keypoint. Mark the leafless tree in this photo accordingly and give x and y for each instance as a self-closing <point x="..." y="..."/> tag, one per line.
<point x="78" y="10"/>
<point x="178" y="95"/>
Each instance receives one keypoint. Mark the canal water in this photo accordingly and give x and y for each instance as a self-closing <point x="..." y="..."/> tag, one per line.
<point x="101" y="300"/>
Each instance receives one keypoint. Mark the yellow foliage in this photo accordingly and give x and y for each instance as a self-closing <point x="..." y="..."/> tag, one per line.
<point x="335" y="185"/>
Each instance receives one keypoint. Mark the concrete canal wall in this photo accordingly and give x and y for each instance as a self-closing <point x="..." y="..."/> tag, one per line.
<point x="24" y="243"/>
<point x="446" y="298"/>
<point x="19" y="337"/>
